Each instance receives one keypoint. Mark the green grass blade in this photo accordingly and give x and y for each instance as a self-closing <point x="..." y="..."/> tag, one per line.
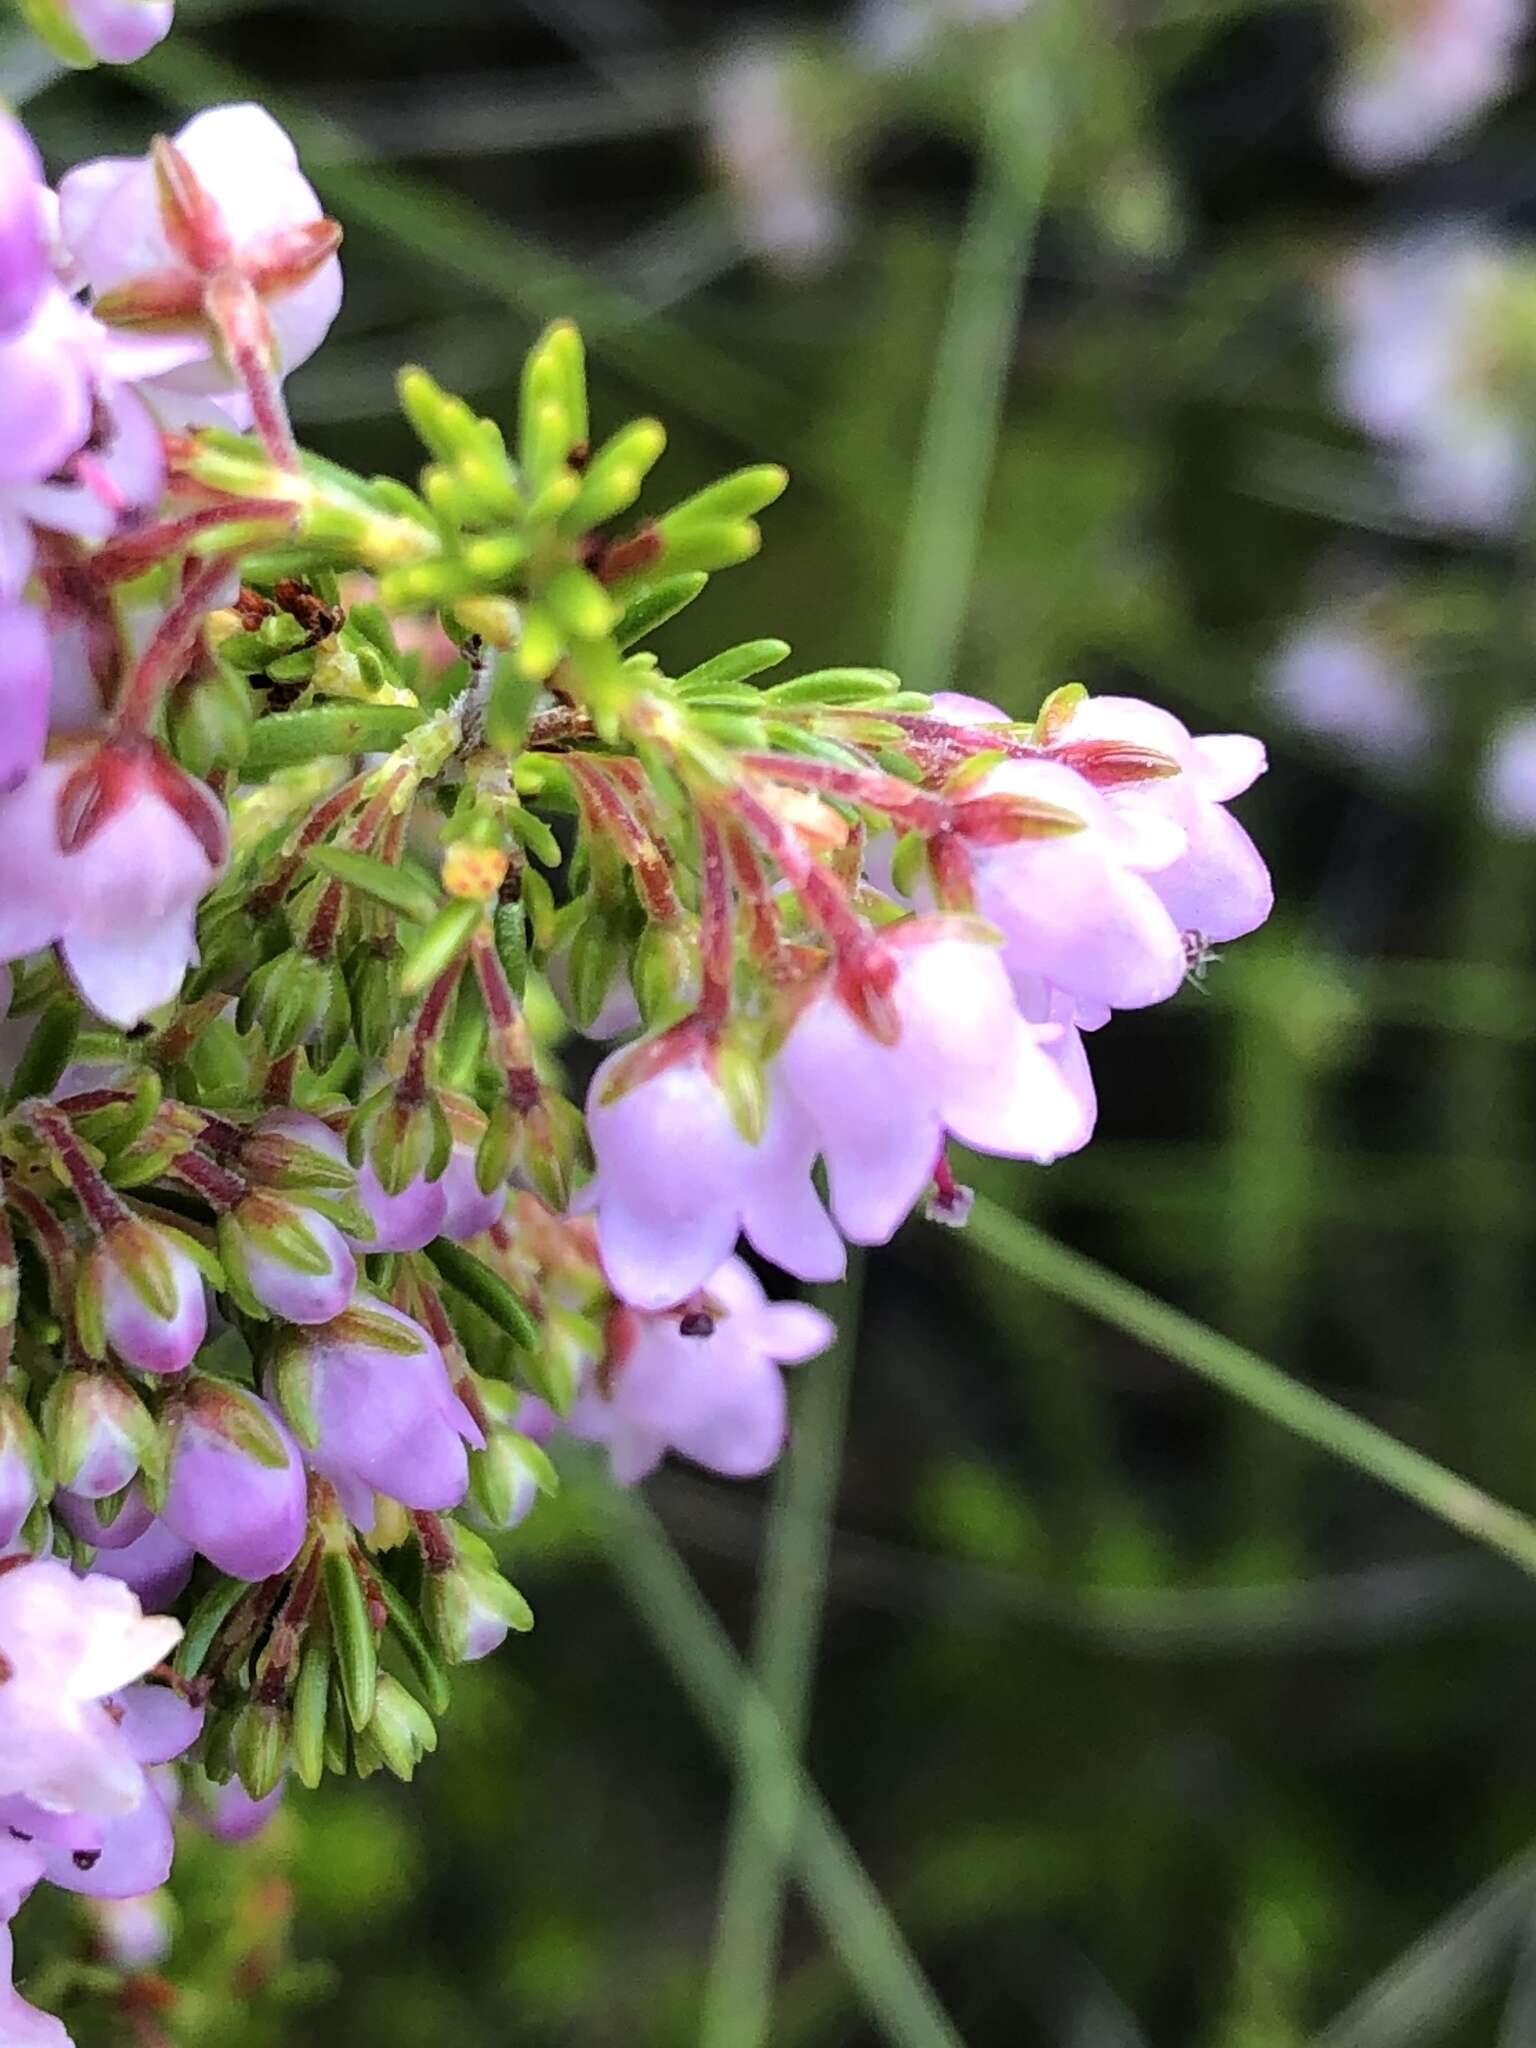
<point x="1241" y="1373"/>
<point x="857" y="1923"/>
<point x="1435" y="1982"/>
<point x="738" y="1992"/>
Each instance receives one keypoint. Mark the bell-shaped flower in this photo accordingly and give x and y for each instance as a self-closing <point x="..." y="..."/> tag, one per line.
<point x="369" y="1398"/>
<point x="104" y="31"/>
<point x="405" y="1221"/>
<point x="964" y="1063"/>
<point x="1074" y="905"/>
<point x="26" y="681"/>
<point x="293" y="1260"/>
<point x="155" y="1565"/>
<point x="467" y="1207"/>
<point x="66" y="1645"/>
<point x="225" y="199"/>
<point x="143" y="1294"/>
<point x="25" y="271"/>
<point x="108" y="853"/>
<point x="1415" y="76"/>
<point x="1218" y="886"/>
<point x="230" y="1814"/>
<point x="109" y="1522"/>
<point x="235" y="1488"/>
<point x="678" y="1180"/>
<point x="135" y="1932"/>
<point x="116" y="1855"/>
<point x="21" y="2024"/>
<point x="706" y="1384"/>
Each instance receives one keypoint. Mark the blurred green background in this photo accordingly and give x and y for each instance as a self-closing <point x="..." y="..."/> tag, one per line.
<point x="1148" y="1724"/>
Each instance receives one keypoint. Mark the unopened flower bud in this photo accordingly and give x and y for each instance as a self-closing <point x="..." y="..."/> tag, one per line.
<point x="85" y="32"/>
<point x="98" y="1433"/>
<point x="142" y="1294"/>
<point x="401" y="1730"/>
<point x="370" y="1399"/>
<point x="506" y="1478"/>
<point x="23" y="1471"/>
<point x="235" y="1486"/>
<point x="468" y="1206"/>
<point x="469" y="1607"/>
<point x="373" y="986"/>
<point x="260" y="1745"/>
<point x="292" y="1260"/>
<point x="232" y="1815"/>
<point x="288" y="999"/>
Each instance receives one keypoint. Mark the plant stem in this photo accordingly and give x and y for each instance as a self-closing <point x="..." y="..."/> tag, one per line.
<point x="858" y="1925"/>
<point x="959" y="434"/>
<point x="738" y="1993"/>
<point x="1240" y="1372"/>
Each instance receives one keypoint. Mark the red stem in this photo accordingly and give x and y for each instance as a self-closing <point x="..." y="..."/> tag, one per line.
<point x="716" y="922"/>
<point x="137" y="551"/>
<point x="103" y="1205"/>
<point x="165" y="659"/>
<point x="822" y="894"/>
<point x="234" y="306"/>
<point x="872" y="788"/>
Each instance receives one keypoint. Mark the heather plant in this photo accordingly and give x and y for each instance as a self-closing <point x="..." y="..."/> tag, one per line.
<point x="311" y="1250"/>
<point x="438" y="1035"/>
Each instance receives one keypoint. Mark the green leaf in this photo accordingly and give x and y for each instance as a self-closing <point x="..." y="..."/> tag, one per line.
<point x="487" y="1290"/>
<point x="47" y="1051"/>
<point x="444" y="939"/>
<point x="733" y="665"/>
<point x="652" y="608"/>
<point x="836" y="686"/>
<point x="287" y="738"/>
<point x="426" y="1666"/>
<point x="207" y="1618"/>
<point x="735" y="497"/>
<point x="311" y="1696"/>
<point x="396" y="887"/>
<point x="357" y="1656"/>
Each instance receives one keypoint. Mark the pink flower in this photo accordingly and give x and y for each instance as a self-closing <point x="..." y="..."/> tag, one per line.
<point x="155" y="1565"/>
<point x="402" y="1222"/>
<point x="1432" y="344"/>
<point x="965" y="1063"/>
<point x="1417" y="75"/>
<point x="232" y="1815"/>
<point x="369" y="1398"/>
<point x="146" y="257"/>
<point x="109" y="853"/>
<point x="68" y="1644"/>
<point x="114" y="1855"/>
<point x="119" y="31"/>
<point x="677" y="1182"/>
<point x="1339" y="681"/>
<point x="294" y="1260"/>
<point x="1507" y="784"/>
<point x="1078" y="907"/>
<point x="22" y="2025"/>
<point x="717" y="1396"/>
<point x="1218" y="886"/>
<point x="25" y="272"/>
<point x="152" y="1302"/>
<point x="235" y="1484"/>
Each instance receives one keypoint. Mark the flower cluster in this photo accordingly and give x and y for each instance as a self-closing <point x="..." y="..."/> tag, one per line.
<point x="321" y="793"/>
